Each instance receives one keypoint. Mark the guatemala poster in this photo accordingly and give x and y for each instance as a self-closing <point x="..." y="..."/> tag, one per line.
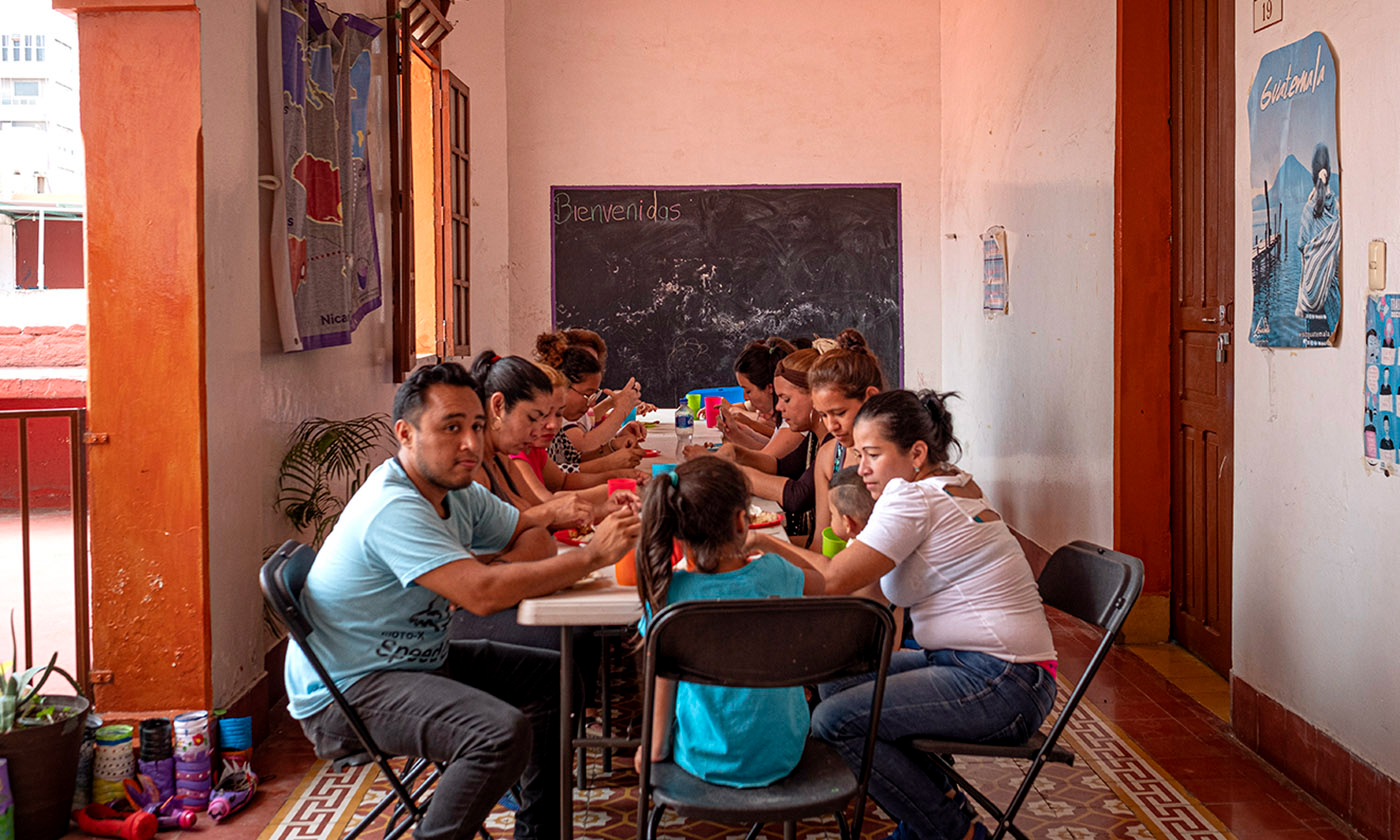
<point x="1296" y="193"/>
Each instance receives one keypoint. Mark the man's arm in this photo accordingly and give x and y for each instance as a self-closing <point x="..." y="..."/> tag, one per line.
<point x="485" y="589"/>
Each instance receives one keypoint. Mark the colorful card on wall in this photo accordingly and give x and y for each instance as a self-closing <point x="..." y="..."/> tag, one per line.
<point x="1382" y="385"/>
<point x="1296" y="193"/>
<point x="994" y="286"/>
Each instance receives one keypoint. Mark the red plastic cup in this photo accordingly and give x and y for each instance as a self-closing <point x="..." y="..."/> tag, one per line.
<point x="712" y="410"/>
<point x="616" y="484"/>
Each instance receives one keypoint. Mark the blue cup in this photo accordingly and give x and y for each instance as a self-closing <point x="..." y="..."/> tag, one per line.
<point x="631" y="415"/>
<point x="661" y="469"/>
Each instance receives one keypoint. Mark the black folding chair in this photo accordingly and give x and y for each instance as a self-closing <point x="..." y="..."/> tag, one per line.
<point x="282" y="578"/>
<point x="763" y="643"/>
<point x="1091" y="583"/>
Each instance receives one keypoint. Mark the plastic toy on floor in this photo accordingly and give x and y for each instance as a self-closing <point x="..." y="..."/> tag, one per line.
<point x="236" y="787"/>
<point x="104" y="821"/>
<point x="144" y="795"/>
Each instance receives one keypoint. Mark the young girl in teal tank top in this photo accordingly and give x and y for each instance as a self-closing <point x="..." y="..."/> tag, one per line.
<point x="742" y="737"/>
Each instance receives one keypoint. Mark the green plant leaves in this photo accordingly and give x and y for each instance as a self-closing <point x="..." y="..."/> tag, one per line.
<point x="325" y="463"/>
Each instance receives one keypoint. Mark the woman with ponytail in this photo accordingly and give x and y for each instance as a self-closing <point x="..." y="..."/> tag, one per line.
<point x="518" y="398"/>
<point x="753" y="370"/>
<point x="986" y="671"/>
<point x="841" y="381"/>
<point x="741" y="737"/>
<point x="791" y="479"/>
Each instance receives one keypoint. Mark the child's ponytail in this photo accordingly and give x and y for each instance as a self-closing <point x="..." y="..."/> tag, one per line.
<point x="698" y="503"/>
<point x="655" y="541"/>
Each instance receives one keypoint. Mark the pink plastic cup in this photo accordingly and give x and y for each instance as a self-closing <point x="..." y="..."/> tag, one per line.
<point x="712" y="411"/>
<point x="616" y="484"/>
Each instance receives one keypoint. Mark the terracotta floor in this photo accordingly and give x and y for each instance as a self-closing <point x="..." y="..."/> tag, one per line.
<point x="1147" y="691"/>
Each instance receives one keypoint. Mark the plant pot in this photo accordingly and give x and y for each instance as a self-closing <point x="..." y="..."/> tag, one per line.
<point x="44" y="770"/>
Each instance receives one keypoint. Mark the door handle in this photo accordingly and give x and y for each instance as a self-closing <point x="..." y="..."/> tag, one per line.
<point x="1221" y="342"/>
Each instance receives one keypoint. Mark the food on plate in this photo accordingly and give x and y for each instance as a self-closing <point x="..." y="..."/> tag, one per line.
<point x="575" y="536"/>
<point x="765" y="518"/>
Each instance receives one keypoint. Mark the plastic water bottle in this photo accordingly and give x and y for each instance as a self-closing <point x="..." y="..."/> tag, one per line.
<point x="685" y="428"/>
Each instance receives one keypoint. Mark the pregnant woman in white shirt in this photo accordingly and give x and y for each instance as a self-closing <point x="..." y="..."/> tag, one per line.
<point x="986" y="668"/>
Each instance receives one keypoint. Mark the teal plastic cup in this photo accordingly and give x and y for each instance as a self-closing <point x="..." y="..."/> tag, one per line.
<point x="661" y="469"/>
<point x="831" y="543"/>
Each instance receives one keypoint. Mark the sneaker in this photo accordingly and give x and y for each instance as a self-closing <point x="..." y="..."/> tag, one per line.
<point x="509" y="802"/>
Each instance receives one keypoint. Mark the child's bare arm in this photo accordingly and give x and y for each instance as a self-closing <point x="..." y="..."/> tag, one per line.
<point x="663" y="711"/>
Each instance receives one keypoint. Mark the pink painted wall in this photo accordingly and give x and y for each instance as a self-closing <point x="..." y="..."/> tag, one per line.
<point x="730" y="92"/>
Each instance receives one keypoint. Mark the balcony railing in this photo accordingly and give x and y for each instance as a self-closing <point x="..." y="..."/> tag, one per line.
<point x="43" y="451"/>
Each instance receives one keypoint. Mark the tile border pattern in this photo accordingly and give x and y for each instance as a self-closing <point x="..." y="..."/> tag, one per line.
<point x="324" y="803"/>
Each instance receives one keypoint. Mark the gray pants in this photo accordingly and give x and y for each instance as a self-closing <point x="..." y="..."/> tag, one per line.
<point x="491" y="715"/>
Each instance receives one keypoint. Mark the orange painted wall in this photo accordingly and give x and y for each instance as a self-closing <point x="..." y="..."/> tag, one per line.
<point x="140" y="93"/>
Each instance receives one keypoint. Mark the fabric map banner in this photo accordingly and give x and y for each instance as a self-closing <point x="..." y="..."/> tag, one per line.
<point x="325" y="252"/>
<point x="1296" y="197"/>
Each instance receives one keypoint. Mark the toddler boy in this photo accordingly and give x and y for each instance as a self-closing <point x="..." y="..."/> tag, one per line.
<point x="850" y="503"/>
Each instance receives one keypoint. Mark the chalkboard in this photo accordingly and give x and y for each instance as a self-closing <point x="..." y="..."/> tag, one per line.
<point x="678" y="279"/>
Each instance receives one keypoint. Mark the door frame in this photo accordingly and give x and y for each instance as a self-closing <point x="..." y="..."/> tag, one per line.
<point x="1142" y="269"/>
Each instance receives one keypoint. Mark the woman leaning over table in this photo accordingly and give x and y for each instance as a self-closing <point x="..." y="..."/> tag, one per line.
<point x="986" y="670"/>
<point x="586" y="442"/>
<point x="518" y="398"/>
<point x="841" y="381"/>
<point x="789" y="480"/>
<point x="759" y="426"/>
<point x="535" y="468"/>
<point x="519" y="401"/>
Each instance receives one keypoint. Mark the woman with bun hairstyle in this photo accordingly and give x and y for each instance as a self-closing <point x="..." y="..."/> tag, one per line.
<point x="789" y="480"/>
<point x="841" y="381"/>
<point x="593" y="343"/>
<point x="600" y="446"/>
<point x="986" y="671"/>
<point x="753" y="371"/>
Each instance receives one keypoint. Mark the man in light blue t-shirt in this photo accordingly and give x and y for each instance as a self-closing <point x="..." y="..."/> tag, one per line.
<point x="418" y="536"/>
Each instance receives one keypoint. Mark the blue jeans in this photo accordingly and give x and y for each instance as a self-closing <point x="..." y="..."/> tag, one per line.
<point x="951" y="694"/>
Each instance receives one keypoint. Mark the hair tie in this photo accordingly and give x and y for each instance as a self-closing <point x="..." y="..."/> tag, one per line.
<point x="495" y="359"/>
<point x="675" y="479"/>
<point x="772" y="350"/>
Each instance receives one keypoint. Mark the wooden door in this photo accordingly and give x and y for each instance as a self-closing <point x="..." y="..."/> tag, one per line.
<point x="1203" y="347"/>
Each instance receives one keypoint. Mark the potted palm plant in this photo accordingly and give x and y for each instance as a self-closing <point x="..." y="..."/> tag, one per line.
<point x="325" y="463"/>
<point x="40" y="737"/>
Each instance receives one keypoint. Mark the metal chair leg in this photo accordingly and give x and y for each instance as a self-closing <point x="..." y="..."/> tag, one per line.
<point x="654" y="821"/>
<point x="580" y="754"/>
<point x="605" y="699"/>
<point x="843" y="825"/>
<point x="754" y="830"/>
